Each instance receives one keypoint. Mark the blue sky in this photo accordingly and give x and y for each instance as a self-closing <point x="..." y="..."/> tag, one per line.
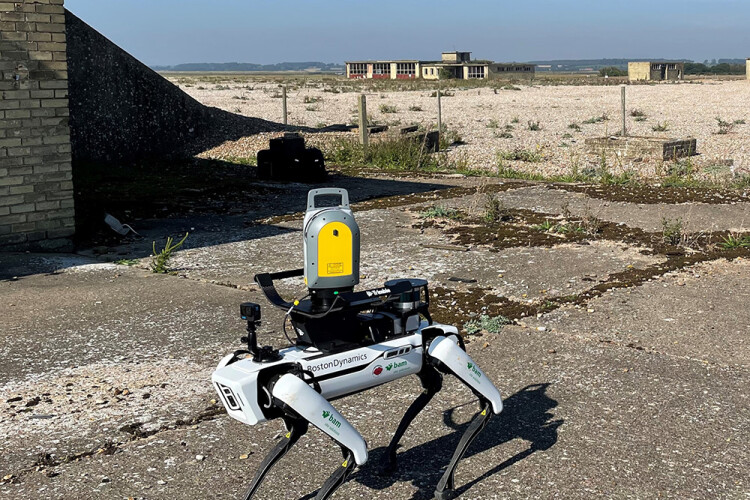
<point x="269" y="31"/>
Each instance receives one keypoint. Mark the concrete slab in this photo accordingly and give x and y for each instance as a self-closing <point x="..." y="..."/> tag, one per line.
<point x="699" y="313"/>
<point x="581" y="420"/>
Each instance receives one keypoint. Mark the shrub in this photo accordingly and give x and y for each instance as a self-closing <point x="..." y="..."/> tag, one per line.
<point x="597" y="119"/>
<point x="387" y="108"/>
<point x="612" y="71"/>
<point x="495" y="210"/>
<point x="486" y="323"/>
<point x="309" y="99"/>
<point x="493" y="124"/>
<point x="574" y="126"/>
<point x="724" y="126"/>
<point x="671" y="232"/>
<point x="636" y="113"/>
<point x="415" y="108"/>
<point x="534" y="126"/>
<point x="660" y="127"/>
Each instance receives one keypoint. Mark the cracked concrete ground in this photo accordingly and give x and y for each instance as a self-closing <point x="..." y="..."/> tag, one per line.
<point x="638" y="392"/>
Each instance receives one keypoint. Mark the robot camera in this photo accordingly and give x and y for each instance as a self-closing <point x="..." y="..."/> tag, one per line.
<point x="250" y="311"/>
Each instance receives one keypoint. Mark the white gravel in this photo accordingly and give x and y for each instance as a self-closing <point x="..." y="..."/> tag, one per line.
<point x="689" y="109"/>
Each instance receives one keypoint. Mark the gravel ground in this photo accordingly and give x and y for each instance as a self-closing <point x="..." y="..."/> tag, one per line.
<point x="480" y="115"/>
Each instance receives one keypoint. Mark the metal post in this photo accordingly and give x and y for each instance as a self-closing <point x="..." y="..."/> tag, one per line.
<point x="363" y="135"/>
<point x="622" y="92"/>
<point x="283" y="104"/>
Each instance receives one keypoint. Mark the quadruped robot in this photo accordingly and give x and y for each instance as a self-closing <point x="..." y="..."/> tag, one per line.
<point x="346" y="342"/>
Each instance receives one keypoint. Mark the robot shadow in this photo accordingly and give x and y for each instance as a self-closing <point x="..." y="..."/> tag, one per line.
<point x="525" y="415"/>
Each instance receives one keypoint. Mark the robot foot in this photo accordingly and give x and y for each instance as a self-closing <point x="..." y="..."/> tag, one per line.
<point x="296" y="428"/>
<point x="338" y="477"/>
<point x="445" y="487"/>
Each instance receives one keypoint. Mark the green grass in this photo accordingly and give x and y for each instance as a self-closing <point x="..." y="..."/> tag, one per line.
<point x="733" y="241"/>
<point x="402" y="154"/>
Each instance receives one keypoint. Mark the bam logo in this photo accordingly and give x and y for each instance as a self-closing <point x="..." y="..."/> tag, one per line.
<point x="473" y="369"/>
<point x="327" y="415"/>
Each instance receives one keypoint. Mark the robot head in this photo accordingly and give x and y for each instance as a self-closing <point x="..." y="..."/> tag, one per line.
<point x="331" y="242"/>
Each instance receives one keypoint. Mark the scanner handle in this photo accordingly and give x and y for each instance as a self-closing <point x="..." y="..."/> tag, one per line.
<point x="315" y="193"/>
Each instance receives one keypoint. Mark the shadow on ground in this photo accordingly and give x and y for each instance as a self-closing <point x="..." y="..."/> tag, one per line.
<point x="526" y="415"/>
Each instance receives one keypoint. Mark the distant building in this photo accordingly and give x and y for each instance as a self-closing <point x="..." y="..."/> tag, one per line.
<point x="655" y="71"/>
<point x="747" y="67"/>
<point x="452" y="65"/>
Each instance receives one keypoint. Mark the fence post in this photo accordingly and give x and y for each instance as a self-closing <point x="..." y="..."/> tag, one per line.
<point x="283" y="104"/>
<point x="440" y="112"/>
<point x="363" y="135"/>
<point x="622" y="92"/>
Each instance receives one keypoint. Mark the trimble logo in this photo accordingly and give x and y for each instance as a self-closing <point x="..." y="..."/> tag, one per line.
<point x="327" y="415"/>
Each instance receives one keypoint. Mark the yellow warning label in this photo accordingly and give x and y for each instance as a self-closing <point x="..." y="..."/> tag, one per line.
<point x="288" y="435"/>
<point x="335" y="268"/>
<point x="346" y="462"/>
<point x="484" y="412"/>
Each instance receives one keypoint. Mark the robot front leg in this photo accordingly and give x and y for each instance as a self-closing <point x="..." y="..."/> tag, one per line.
<point x="292" y="393"/>
<point x="449" y="357"/>
<point x="432" y="382"/>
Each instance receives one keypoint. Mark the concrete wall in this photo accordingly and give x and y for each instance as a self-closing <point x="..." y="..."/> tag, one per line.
<point x="120" y="110"/>
<point x="747" y="68"/>
<point x="36" y="180"/>
<point x="639" y="71"/>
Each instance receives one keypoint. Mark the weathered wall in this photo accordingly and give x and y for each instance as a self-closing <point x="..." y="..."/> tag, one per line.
<point x="639" y="71"/>
<point x="119" y="108"/>
<point x="36" y="186"/>
<point x="747" y="68"/>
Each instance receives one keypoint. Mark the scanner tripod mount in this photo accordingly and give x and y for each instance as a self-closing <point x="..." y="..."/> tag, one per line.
<point x="346" y="342"/>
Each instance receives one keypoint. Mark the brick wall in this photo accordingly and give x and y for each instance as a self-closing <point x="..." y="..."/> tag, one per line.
<point x="36" y="183"/>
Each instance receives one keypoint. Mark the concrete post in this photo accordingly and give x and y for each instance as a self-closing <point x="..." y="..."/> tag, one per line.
<point x="363" y="135"/>
<point x="622" y="93"/>
<point x="283" y="104"/>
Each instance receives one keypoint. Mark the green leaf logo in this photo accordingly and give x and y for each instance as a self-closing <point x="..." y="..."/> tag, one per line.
<point x="326" y="414"/>
<point x="389" y="367"/>
<point x="469" y="365"/>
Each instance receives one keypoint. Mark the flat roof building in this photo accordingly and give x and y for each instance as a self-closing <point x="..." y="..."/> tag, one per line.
<point x="455" y="64"/>
<point x="655" y="71"/>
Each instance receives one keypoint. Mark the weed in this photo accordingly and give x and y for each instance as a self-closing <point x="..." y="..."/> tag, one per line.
<point x="574" y="126"/>
<point x="597" y="119"/>
<point x="520" y="155"/>
<point x="309" y="99"/>
<point x="312" y="108"/>
<point x="515" y="120"/>
<point x="495" y="210"/>
<point x="546" y="227"/>
<point x="567" y="136"/>
<point x="660" y="127"/>
<point x="415" y="108"/>
<point x="126" y="262"/>
<point x="739" y="122"/>
<point x="735" y="240"/>
<point x="240" y="97"/>
<point x="160" y="261"/>
<point x="671" y="232"/>
<point x="493" y="124"/>
<point x="534" y="126"/>
<point x="504" y="135"/>
<point x="439" y="212"/>
<point x="486" y="323"/>
<point x="640" y="118"/>
<point x="637" y="113"/>
<point x="724" y="126"/>
<point x="387" y="108"/>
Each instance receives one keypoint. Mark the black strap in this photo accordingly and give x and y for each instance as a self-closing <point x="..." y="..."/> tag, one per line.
<point x="265" y="281"/>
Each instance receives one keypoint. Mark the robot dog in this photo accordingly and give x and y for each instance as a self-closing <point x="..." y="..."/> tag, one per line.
<point x="346" y="342"/>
